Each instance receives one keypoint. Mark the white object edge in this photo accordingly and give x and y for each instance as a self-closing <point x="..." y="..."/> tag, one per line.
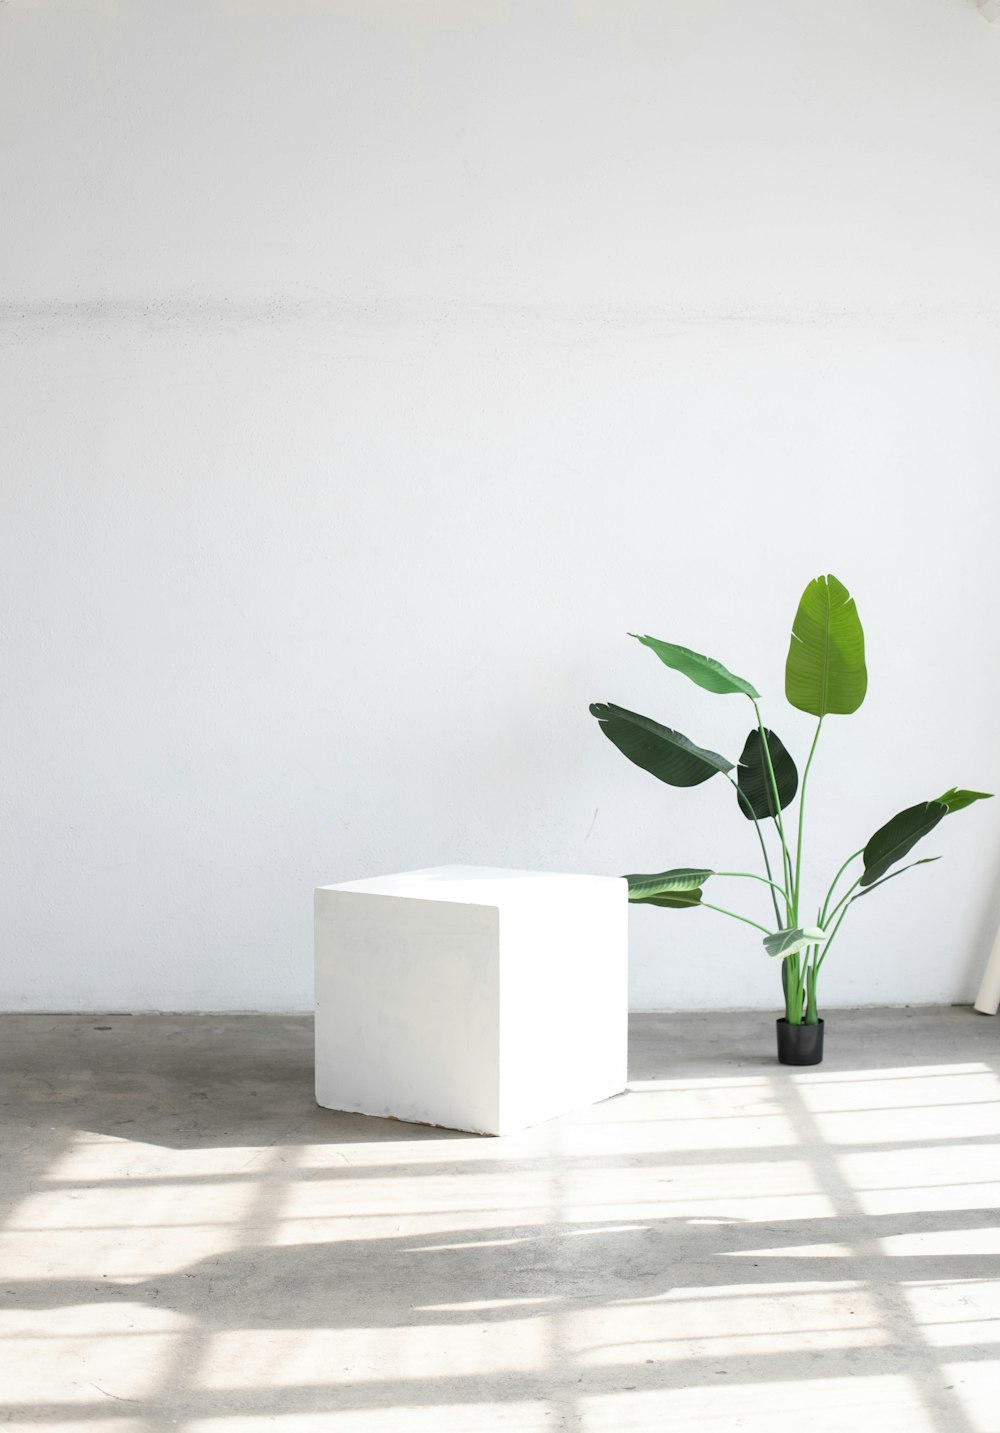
<point x="988" y="999"/>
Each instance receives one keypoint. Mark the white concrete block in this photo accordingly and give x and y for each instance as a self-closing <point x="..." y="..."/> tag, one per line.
<point x="469" y="997"/>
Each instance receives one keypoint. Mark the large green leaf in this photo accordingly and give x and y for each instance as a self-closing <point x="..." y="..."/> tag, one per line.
<point x="957" y="800"/>
<point x="897" y="837"/>
<point x="892" y="841"/>
<point x="755" y="798"/>
<point x="705" y="671"/>
<point x="790" y="942"/>
<point x="825" y="671"/>
<point x="666" y="754"/>
<point x="683" y="880"/>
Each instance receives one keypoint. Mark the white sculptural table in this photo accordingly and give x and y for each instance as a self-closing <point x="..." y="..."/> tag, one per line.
<point x="469" y="997"/>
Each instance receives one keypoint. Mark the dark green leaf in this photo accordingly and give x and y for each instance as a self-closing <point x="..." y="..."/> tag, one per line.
<point x="924" y="861"/>
<point x="825" y="671"/>
<point x="683" y="878"/>
<point x="674" y="900"/>
<point x="956" y="800"/>
<point x="756" y="799"/>
<point x="897" y="837"/>
<point x="790" y="942"/>
<point x="666" y="754"/>
<point x="705" y="671"/>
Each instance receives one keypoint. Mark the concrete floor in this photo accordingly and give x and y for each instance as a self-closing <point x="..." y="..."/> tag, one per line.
<point x="189" y="1243"/>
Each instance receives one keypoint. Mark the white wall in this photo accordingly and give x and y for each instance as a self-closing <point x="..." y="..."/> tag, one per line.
<point x="369" y="369"/>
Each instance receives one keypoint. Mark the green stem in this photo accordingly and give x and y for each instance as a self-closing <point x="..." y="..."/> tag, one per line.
<point x="745" y="919"/>
<point x="796" y="884"/>
<point x="828" y="915"/>
<point x="747" y="806"/>
<point x="833" y="884"/>
<point x="791" y="973"/>
<point x="791" y="911"/>
<point x="812" y="969"/>
<point x="770" y="874"/>
<point x="829" y="940"/>
<point x="749" y="876"/>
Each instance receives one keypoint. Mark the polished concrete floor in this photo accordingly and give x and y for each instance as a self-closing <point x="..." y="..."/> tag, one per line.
<point x="189" y="1243"/>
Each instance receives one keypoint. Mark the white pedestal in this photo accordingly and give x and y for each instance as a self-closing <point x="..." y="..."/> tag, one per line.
<point x="473" y="998"/>
<point x="988" y="999"/>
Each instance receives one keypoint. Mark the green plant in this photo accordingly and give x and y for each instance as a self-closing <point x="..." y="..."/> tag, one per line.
<point x="825" y="675"/>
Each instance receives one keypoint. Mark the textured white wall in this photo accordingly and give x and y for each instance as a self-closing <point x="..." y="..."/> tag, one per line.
<point x="368" y="369"/>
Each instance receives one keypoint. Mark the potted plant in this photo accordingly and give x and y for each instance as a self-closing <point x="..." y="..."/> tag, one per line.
<point x="825" y="675"/>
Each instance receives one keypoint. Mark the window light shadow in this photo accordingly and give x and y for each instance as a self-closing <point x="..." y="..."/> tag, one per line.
<point x="719" y="1241"/>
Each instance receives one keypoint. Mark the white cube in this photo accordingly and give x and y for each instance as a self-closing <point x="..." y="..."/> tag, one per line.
<point x="473" y="998"/>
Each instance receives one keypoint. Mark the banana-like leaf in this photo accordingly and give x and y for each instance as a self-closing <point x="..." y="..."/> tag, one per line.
<point x="957" y="800"/>
<point x="755" y="798"/>
<point x="924" y="861"/>
<point x="825" y="671"/>
<point x="704" y="671"/>
<point x="682" y="878"/>
<point x="790" y="942"/>
<point x="673" y="900"/>
<point x="897" y="838"/>
<point x="666" y="754"/>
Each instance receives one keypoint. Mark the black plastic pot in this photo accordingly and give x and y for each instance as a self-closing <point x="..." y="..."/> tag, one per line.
<point x="800" y="1044"/>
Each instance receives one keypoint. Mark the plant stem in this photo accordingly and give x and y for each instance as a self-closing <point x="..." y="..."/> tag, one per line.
<point x="763" y="846"/>
<point x="749" y="876"/>
<point x="791" y="979"/>
<point x="792" y="904"/>
<point x="796" y="884"/>
<point x="833" y="884"/>
<point x="829" y="939"/>
<point x="822" y="915"/>
<point x="790" y="911"/>
<point x="770" y="875"/>
<point x="811" y="1014"/>
<point x="843" y="901"/>
<point x="745" y="919"/>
